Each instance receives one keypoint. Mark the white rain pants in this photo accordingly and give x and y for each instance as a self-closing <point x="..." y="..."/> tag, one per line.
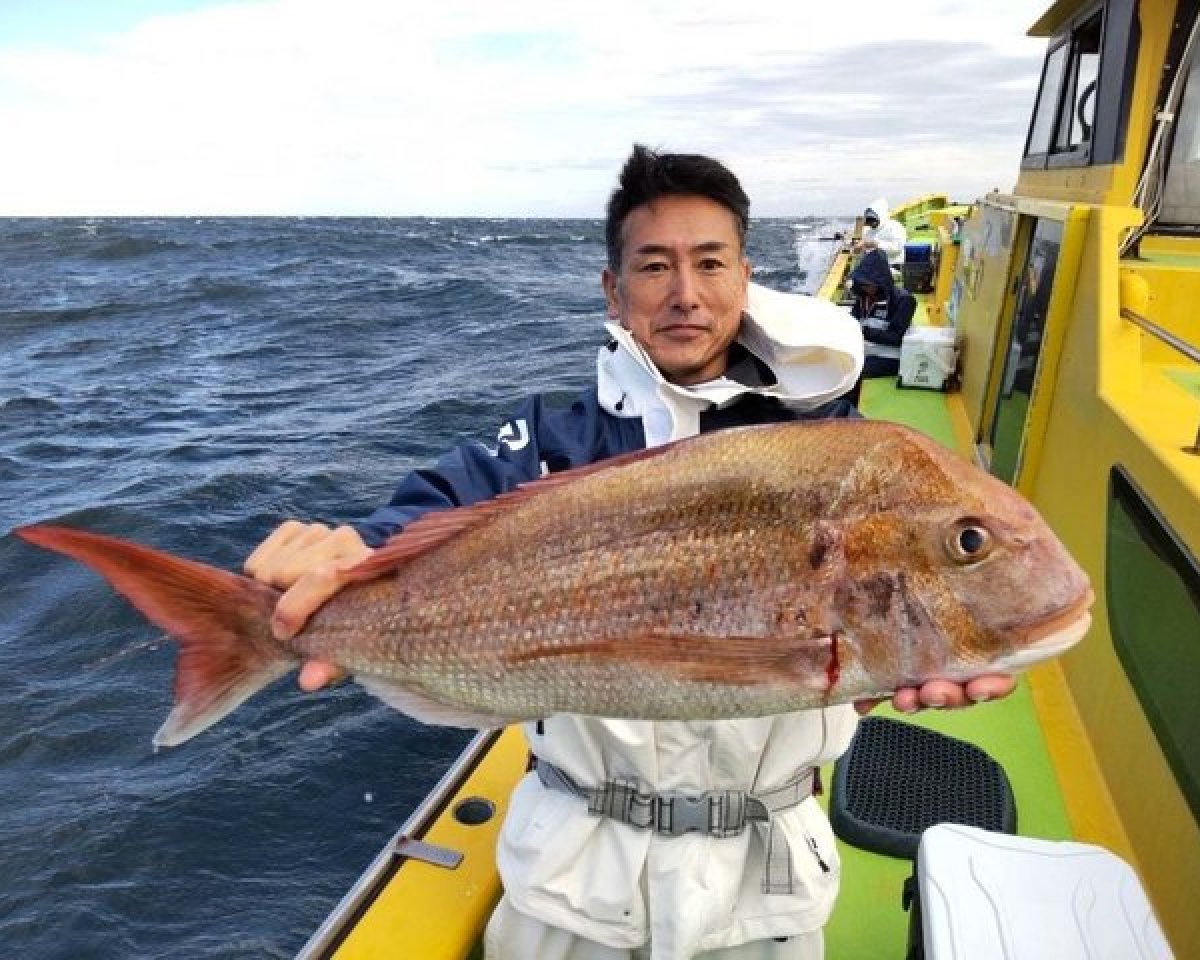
<point x="512" y="935"/>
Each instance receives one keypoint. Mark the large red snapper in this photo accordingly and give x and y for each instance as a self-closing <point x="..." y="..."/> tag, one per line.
<point x="740" y="573"/>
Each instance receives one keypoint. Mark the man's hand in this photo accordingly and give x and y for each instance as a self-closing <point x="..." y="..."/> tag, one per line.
<point x="308" y="562"/>
<point x="946" y="694"/>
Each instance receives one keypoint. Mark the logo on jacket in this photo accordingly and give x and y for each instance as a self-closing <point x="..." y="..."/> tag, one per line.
<point x="514" y="434"/>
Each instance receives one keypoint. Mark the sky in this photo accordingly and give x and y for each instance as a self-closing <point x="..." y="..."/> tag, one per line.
<point x="501" y="107"/>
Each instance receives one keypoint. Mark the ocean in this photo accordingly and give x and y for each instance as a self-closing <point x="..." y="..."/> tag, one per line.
<point x="190" y="383"/>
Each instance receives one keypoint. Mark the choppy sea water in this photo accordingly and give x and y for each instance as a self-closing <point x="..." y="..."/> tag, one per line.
<point x="190" y="384"/>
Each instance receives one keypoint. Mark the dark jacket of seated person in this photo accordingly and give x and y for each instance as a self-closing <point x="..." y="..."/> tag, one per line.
<point x="883" y="310"/>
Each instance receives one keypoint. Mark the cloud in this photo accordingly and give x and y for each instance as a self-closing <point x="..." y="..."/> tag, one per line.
<point x="522" y="108"/>
<point x="946" y="109"/>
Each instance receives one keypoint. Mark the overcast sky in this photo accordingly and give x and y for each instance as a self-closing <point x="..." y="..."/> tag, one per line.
<point x="501" y="107"/>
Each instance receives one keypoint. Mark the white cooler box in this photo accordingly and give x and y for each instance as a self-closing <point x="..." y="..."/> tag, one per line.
<point x="928" y="357"/>
<point x="993" y="896"/>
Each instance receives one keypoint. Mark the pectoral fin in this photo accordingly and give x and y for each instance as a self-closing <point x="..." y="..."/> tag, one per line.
<point x="736" y="661"/>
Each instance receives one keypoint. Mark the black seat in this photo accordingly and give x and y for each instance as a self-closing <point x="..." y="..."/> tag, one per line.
<point x="897" y="779"/>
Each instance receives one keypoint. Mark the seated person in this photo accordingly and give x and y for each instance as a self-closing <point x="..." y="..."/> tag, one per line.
<point x="883" y="310"/>
<point x="881" y="232"/>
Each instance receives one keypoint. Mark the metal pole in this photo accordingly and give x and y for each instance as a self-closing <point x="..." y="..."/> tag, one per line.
<point x="1189" y="351"/>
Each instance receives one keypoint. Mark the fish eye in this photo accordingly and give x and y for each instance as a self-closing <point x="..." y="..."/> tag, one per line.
<point x="969" y="541"/>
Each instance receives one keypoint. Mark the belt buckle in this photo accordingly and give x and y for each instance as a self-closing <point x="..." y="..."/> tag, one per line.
<point x="687" y="813"/>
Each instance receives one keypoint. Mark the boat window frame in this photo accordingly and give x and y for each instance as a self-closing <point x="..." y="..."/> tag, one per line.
<point x="1050" y="112"/>
<point x="1030" y="310"/>
<point x="1120" y="33"/>
<point x="1185" y="16"/>
<point x="1067" y="121"/>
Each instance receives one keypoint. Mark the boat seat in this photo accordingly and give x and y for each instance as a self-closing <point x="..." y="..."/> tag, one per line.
<point x="898" y="779"/>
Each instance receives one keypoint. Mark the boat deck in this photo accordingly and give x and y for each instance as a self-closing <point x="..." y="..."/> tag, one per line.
<point x="869" y="920"/>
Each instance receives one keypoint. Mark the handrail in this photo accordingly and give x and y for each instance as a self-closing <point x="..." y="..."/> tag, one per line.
<point x="1189" y="351"/>
<point x="1192" y="353"/>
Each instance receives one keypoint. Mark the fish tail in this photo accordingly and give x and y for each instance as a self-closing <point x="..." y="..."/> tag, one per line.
<point x="221" y="621"/>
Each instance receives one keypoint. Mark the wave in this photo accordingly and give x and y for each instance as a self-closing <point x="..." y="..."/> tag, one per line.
<point x="223" y="289"/>
<point x="34" y="319"/>
<point x="787" y="278"/>
<point x="126" y="248"/>
<point x="25" y="406"/>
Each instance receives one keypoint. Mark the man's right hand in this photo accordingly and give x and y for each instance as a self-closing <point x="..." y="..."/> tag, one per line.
<point x="308" y="562"/>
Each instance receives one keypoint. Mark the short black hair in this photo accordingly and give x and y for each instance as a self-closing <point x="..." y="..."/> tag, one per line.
<point x="648" y="175"/>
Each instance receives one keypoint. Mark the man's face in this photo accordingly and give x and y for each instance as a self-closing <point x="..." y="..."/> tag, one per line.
<point x="681" y="286"/>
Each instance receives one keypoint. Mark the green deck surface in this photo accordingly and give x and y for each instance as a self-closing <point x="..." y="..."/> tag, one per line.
<point x="1187" y="378"/>
<point x="1172" y="260"/>
<point x="923" y="409"/>
<point x="869" y="921"/>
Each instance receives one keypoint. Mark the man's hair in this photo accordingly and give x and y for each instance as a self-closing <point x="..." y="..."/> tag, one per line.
<point x="647" y="176"/>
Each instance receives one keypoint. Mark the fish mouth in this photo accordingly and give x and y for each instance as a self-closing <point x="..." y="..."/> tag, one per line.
<point x="1052" y="636"/>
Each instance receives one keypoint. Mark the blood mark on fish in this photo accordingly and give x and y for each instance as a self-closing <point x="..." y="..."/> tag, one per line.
<point x="833" y="669"/>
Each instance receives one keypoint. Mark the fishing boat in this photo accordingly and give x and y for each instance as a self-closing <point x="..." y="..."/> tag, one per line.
<point x="1067" y="310"/>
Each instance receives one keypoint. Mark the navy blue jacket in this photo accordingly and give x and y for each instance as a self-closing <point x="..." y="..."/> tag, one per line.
<point x="539" y="439"/>
<point x="886" y="320"/>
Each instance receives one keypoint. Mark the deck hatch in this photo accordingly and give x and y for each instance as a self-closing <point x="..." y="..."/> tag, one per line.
<point x="1153" y="589"/>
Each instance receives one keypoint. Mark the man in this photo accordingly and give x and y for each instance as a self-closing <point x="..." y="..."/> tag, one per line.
<point x="595" y="886"/>
<point x="883" y="310"/>
<point x="881" y="232"/>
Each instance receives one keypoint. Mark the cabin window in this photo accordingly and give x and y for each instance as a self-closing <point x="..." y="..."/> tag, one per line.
<point x="1083" y="100"/>
<point x="1034" y="286"/>
<point x="1181" y="194"/>
<point x="1153" y="589"/>
<point x="1078" y="116"/>
<point x="1046" y="114"/>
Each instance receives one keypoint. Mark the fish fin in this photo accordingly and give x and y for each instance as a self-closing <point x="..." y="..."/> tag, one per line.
<point x="748" y="661"/>
<point x="220" y="620"/>
<point x="196" y="715"/>
<point x="426" y="709"/>
<point x="733" y="661"/>
<point x="432" y="529"/>
<point x="562" y="478"/>
<point x="422" y="535"/>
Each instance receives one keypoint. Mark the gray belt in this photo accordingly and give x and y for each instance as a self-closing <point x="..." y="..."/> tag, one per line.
<point x="717" y="813"/>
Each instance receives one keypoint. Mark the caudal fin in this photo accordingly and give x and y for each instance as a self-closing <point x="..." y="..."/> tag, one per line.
<point x="220" y="620"/>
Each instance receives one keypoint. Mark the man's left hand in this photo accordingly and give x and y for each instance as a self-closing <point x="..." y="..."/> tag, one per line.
<point x="946" y="694"/>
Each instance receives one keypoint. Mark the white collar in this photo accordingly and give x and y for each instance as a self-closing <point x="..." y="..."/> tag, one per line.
<point x="813" y="348"/>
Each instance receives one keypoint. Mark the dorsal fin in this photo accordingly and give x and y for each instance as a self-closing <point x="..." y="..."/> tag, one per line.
<point x="433" y="529"/>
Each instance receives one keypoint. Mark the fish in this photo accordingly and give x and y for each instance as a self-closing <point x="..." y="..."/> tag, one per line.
<point x="745" y="572"/>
